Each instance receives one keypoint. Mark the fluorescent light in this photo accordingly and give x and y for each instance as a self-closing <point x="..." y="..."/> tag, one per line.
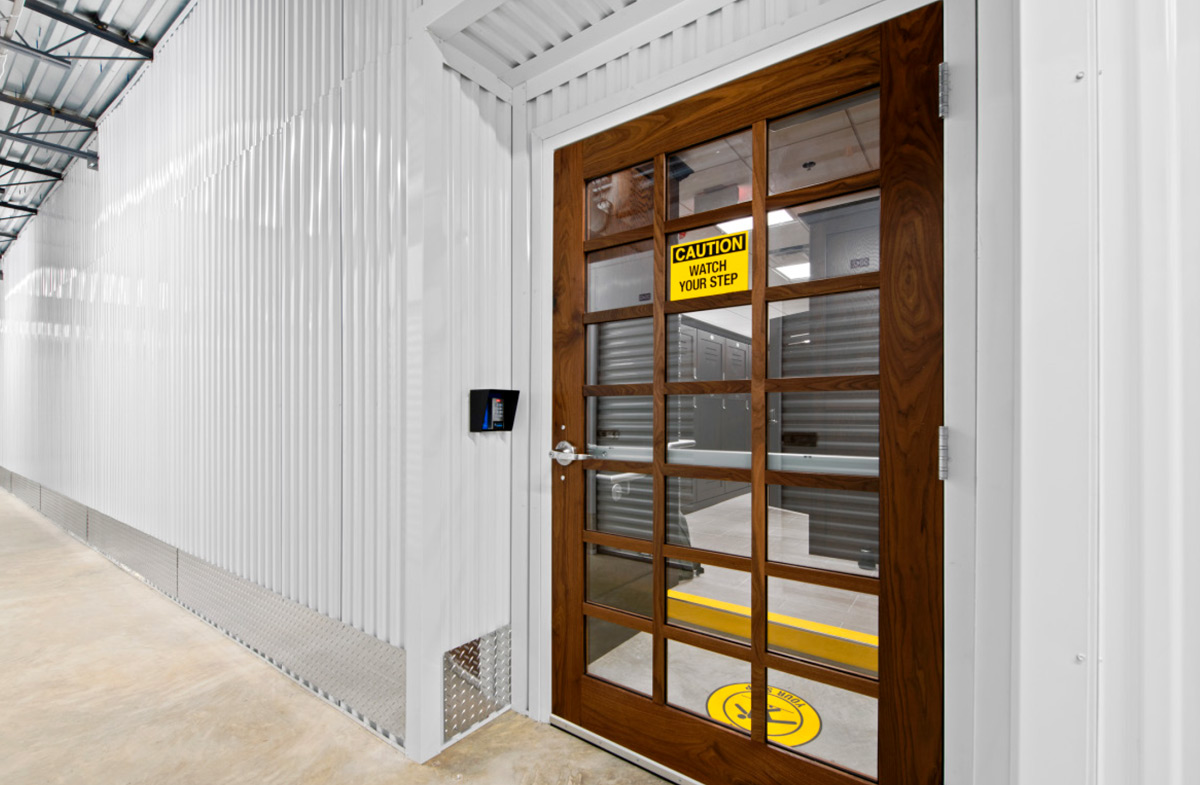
<point x="739" y="225"/>
<point x="742" y="224"/>
<point x="796" y="272"/>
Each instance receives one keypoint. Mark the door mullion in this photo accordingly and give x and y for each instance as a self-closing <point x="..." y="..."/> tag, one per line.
<point x="758" y="441"/>
<point x="660" y="427"/>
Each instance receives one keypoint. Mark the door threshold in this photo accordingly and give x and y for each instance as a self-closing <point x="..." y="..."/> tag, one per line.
<point x="637" y="759"/>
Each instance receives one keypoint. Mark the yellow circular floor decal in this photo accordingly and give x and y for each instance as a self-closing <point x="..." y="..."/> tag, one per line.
<point x="791" y="721"/>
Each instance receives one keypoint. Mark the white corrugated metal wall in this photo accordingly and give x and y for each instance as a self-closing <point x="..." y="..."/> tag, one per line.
<point x="204" y="339"/>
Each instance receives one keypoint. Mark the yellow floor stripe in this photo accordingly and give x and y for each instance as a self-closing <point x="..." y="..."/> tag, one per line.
<point x="855" y="649"/>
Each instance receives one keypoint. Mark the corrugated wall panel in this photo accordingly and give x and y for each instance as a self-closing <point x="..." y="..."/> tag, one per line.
<point x="479" y="187"/>
<point x="199" y="339"/>
<point x="373" y="317"/>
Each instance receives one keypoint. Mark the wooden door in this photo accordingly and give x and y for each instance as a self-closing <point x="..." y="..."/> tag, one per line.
<point x="788" y="628"/>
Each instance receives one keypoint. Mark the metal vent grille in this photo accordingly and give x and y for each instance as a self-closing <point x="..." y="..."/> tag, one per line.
<point x="476" y="682"/>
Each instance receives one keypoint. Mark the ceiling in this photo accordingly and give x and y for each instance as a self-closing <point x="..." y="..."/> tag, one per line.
<point x="64" y="62"/>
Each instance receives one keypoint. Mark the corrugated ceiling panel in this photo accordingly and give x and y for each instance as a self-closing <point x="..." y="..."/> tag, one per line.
<point x="686" y="51"/>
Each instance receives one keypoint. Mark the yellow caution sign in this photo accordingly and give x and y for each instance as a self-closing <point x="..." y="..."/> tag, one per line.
<point x="791" y="721"/>
<point x="714" y="265"/>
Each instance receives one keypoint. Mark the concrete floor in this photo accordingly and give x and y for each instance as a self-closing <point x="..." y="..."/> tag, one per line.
<point x="108" y="681"/>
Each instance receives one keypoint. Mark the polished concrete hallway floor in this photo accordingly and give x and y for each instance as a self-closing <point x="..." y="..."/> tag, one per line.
<point x="108" y="681"/>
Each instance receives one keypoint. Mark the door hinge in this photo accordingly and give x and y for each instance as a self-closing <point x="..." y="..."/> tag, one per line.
<point x="943" y="89"/>
<point x="943" y="452"/>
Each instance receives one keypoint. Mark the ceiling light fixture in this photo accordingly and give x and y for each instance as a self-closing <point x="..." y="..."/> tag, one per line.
<point x="743" y="224"/>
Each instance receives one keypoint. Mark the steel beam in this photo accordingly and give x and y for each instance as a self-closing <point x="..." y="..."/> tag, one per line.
<point x="16" y="46"/>
<point x="30" y="168"/>
<point x="89" y="27"/>
<point x="49" y="111"/>
<point x="8" y="235"/>
<point x="90" y="157"/>
<point x="447" y="18"/>
<point x="21" y="207"/>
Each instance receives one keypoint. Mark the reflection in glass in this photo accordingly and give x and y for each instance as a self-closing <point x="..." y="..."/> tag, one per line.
<point x="621" y="200"/>
<point x="620" y="503"/>
<point x="830" y="335"/>
<point x="620" y="428"/>
<point x="711" y="175"/>
<point x="835" y="432"/>
<point x="825" y="239"/>
<point x="698" y="679"/>
<point x="824" y="144"/>
<point x="621" y="655"/>
<point x="706" y="233"/>
<point x="620" y="579"/>
<point x="823" y="528"/>
<point x="713" y="600"/>
<point x="846" y="723"/>
<point x="621" y="352"/>
<point x="709" y="430"/>
<point x="713" y="515"/>
<point x="621" y="277"/>
<point x="709" y="345"/>
<point x="824" y="625"/>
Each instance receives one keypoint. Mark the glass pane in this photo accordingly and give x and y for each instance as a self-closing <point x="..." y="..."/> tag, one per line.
<point x="825" y="239"/>
<point x="824" y="722"/>
<point x="823" y="528"/>
<point x="709" y="260"/>
<point x="825" y="625"/>
<point x="713" y="515"/>
<point x="709" y="684"/>
<point x="711" y="175"/>
<point x="620" y="201"/>
<point x="620" y="579"/>
<point x="708" y="599"/>
<point x="832" y="432"/>
<point x="621" y="277"/>
<point x="709" y="430"/>
<point x="621" y="428"/>
<point x="621" y="655"/>
<point x="709" y="345"/>
<point x="831" y="335"/>
<point x="620" y="503"/>
<point x="824" y="144"/>
<point x="621" y="352"/>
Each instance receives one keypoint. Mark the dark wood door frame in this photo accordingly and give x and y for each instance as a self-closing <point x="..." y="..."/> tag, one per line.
<point x="900" y="57"/>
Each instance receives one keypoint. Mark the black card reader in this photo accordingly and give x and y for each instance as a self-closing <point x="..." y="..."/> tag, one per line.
<point x="493" y="410"/>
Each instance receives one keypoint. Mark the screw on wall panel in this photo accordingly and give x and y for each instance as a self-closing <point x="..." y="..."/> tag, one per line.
<point x="1079" y="76"/>
<point x="1080" y="658"/>
<point x="562" y="477"/>
<point x="562" y="427"/>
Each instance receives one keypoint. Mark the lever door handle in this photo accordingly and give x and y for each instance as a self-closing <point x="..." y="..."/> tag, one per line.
<point x="564" y="453"/>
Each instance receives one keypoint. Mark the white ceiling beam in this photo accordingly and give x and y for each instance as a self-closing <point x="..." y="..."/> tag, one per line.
<point x="633" y="26"/>
<point x="469" y="67"/>
<point x="486" y="58"/>
<point x="446" y="18"/>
